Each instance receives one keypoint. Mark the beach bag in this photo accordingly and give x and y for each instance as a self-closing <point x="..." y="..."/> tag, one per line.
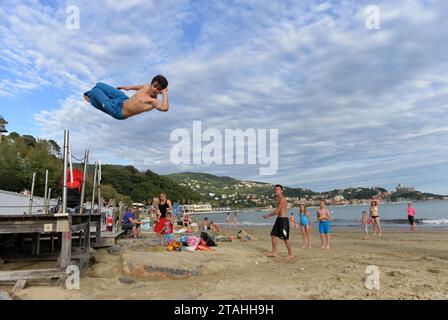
<point x="207" y="239"/>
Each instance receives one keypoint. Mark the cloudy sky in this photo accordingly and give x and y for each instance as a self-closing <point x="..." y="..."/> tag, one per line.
<point x="353" y="106"/>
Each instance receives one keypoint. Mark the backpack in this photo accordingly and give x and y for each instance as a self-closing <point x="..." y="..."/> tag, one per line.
<point x="208" y="240"/>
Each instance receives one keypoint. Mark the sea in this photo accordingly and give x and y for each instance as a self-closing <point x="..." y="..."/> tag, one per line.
<point x="429" y="214"/>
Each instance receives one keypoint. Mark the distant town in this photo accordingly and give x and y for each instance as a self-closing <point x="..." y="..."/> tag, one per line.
<point x="258" y="194"/>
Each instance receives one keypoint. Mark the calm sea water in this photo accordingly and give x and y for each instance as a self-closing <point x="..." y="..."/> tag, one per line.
<point x="429" y="214"/>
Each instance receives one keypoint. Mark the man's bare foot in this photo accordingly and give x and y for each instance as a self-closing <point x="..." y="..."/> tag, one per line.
<point x="304" y="246"/>
<point x="309" y="247"/>
<point x="271" y="255"/>
<point x="87" y="99"/>
<point x="289" y="256"/>
<point x="327" y="247"/>
<point x="323" y="247"/>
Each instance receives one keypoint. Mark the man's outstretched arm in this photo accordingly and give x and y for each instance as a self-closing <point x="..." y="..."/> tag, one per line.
<point x="137" y="87"/>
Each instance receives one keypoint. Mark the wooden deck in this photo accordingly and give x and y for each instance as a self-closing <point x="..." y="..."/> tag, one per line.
<point x="68" y="237"/>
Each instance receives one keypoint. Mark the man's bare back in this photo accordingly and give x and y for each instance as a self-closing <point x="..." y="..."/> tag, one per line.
<point x="141" y="101"/>
<point x="112" y="101"/>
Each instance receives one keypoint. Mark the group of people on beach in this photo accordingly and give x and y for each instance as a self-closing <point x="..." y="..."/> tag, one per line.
<point x="282" y="224"/>
<point x="161" y="208"/>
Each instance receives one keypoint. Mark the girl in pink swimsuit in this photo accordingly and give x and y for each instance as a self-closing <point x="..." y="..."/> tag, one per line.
<point x="411" y="214"/>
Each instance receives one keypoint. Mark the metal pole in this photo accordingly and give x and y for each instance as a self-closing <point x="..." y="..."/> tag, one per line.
<point x="70" y="163"/>
<point x="64" y="190"/>
<point x="30" y="205"/>
<point x="99" y="186"/>
<point x="83" y="190"/>
<point x="94" y="187"/>
<point x="46" y="191"/>
<point x="48" y="200"/>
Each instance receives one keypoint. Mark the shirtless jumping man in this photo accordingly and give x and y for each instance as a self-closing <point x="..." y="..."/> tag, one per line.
<point x="118" y="105"/>
<point x="281" y="226"/>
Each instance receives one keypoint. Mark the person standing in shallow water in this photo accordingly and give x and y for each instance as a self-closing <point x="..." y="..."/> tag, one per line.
<point x="281" y="226"/>
<point x="235" y="219"/>
<point x="411" y="216"/>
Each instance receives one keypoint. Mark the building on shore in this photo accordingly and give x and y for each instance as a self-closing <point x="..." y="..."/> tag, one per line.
<point x="3" y="124"/>
<point x="401" y="188"/>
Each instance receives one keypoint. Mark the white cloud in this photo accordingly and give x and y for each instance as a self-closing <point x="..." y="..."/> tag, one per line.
<point x="351" y="105"/>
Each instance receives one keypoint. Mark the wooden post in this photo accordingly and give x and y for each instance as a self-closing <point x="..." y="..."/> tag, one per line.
<point x="45" y="194"/>
<point x="30" y="205"/>
<point x="66" y="250"/>
<point x="66" y="241"/>
<point x="83" y="190"/>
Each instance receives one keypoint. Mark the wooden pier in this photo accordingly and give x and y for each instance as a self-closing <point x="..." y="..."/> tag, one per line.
<point x="65" y="238"/>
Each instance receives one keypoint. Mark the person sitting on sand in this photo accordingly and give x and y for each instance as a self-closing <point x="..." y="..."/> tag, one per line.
<point x="324" y="217"/>
<point x="306" y="225"/>
<point x="115" y="103"/>
<point x="365" y="224"/>
<point x="168" y="229"/>
<point x="186" y="220"/>
<point x="214" y="227"/>
<point x="281" y="226"/>
<point x="411" y="215"/>
<point x="130" y="222"/>
<point x="374" y="214"/>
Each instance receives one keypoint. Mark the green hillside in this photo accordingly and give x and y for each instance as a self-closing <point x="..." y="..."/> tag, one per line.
<point x="20" y="156"/>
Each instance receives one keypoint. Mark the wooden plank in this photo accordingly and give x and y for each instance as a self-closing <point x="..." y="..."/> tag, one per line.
<point x="23" y="228"/>
<point x="8" y="276"/>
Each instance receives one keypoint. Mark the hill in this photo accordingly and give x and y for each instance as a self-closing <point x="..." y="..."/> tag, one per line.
<point x="20" y="156"/>
<point x="227" y="191"/>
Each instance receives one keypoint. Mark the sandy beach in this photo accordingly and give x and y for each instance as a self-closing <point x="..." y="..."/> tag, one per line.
<point x="412" y="266"/>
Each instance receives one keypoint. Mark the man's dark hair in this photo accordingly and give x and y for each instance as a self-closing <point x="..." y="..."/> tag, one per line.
<point x="279" y="185"/>
<point x="162" y="83"/>
<point x="205" y="218"/>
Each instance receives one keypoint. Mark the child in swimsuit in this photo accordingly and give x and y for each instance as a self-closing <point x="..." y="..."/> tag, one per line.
<point x="365" y="224"/>
<point x="292" y="220"/>
<point x="228" y="220"/>
<point x="324" y="216"/>
<point x="306" y="225"/>
<point x="168" y="229"/>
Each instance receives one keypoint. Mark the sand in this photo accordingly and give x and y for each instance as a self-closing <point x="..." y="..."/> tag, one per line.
<point x="411" y="265"/>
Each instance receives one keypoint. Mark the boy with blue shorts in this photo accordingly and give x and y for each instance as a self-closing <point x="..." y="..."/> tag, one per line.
<point x="115" y="103"/>
<point x="324" y="217"/>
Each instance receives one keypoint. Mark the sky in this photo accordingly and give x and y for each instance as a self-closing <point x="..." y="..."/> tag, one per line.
<point x="353" y="105"/>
